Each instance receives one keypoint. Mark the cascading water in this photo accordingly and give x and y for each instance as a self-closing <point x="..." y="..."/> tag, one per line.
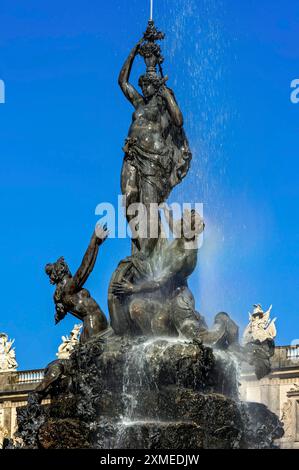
<point x="139" y="378"/>
<point x="229" y="372"/>
<point x="142" y="376"/>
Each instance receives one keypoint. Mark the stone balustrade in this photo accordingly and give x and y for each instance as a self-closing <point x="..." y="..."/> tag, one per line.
<point x="292" y="352"/>
<point x="30" y="376"/>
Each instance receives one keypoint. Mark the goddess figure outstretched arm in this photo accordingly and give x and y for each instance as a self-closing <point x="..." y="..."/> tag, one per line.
<point x="129" y="91"/>
<point x="90" y="257"/>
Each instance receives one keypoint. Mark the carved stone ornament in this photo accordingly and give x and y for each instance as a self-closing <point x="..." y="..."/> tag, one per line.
<point x="69" y="343"/>
<point x="8" y="361"/>
<point x="261" y="327"/>
<point x="286" y="418"/>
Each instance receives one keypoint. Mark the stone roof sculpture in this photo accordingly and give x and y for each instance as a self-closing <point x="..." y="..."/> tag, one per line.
<point x="260" y="327"/>
<point x="8" y="361"/>
<point x="69" y="343"/>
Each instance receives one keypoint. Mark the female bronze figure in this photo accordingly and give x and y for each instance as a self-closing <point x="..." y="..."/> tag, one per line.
<point x="157" y="154"/>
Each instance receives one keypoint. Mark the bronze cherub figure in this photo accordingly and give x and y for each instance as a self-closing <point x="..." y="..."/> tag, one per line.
<point x="71" y="297"/>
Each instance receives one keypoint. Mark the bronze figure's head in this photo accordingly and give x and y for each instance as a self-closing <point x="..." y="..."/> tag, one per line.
<point x="57" y="271"/>
<point x="150" y="84"/>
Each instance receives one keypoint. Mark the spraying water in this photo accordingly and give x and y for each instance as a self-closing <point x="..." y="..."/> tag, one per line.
<point x="196" y="53"/>
<point x="151" y="9"/>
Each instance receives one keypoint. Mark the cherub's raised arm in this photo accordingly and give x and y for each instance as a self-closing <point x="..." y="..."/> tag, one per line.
<point x="89" y="259"/>
<point x="129" y="91"/>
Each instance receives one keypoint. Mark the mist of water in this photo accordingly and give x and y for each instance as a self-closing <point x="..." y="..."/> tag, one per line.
<point x="196" y="49"/>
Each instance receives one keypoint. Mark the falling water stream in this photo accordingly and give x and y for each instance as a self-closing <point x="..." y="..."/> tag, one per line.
<point x="137" y="380"/>
<point x="197" y="54"/>
<point x="141" y="378"/>
<point x="151" y="9"/>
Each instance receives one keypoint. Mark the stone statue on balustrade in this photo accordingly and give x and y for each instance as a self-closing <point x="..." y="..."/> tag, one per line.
<point x="258" y="340"/>
<point x="260" y="327"/>
<point x="8" y="361"/>
<point x="69" y="343"/>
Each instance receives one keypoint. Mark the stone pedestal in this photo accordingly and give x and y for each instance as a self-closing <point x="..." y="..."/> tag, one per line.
<point x="151" y="394"/>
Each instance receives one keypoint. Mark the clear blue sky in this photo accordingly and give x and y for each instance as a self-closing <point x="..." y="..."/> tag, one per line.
<point x="63" y="126"/>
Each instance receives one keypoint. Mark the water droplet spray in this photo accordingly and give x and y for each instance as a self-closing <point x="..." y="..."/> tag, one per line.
<point x="151" y="9"/>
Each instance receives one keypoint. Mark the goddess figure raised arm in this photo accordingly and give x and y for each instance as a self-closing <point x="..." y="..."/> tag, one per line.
<point x="157" y="155"/>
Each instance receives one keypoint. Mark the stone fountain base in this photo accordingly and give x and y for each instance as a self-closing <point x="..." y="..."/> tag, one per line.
<point x="140" y="393"/>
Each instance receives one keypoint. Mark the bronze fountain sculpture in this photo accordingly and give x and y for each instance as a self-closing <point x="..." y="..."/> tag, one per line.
<point x="157" y="153"/>
<point x="156" y="377"/>
<point x="70" y="296"/>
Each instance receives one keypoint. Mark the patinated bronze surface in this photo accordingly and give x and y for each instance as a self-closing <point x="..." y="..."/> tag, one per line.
<point x="152" y="294"/>
<point x="157" y="153"/>
<point x="71" y="297"/>
<point x="148" y="293"/>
